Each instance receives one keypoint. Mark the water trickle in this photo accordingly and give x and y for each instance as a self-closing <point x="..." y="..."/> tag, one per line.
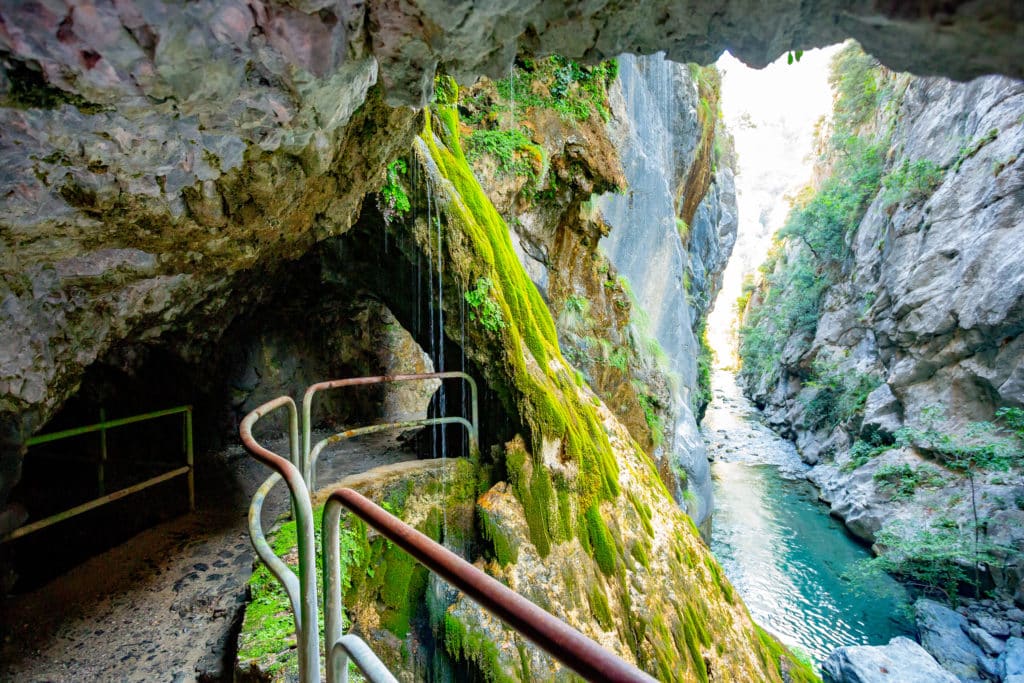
<point x="512" y="96"/>
<point x="442" y="409"/>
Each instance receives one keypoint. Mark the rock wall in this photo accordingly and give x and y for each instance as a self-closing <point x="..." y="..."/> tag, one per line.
<point x="917" y="337"/>
<point x="672" y="233"/>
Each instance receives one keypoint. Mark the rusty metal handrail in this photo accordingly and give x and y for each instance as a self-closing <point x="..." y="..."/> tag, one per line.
<point x="307" y="408"/>
<point x="561" y="641"/>
<point x="301" y="590"/>
<point x="102" y="426"/>
<point x="299" y="473"/>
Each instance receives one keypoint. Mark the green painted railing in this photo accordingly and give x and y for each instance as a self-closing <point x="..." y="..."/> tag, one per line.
<point x="104" y="498"/>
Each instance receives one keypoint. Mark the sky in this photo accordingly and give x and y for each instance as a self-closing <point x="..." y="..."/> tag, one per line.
<point x="771" y="113"/>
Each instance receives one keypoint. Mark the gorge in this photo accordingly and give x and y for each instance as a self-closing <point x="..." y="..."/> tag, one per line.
<point x="228" y="202"/>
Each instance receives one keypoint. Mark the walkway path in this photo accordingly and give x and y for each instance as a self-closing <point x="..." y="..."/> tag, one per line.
<point x="165" y="605"/>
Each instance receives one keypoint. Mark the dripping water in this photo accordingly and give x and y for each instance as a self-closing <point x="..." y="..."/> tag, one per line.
<point x="512" y="96"/>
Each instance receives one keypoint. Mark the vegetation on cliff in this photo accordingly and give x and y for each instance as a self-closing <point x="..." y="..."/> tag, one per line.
<point x="847" y="334"/>
<point x="811" y="250"/>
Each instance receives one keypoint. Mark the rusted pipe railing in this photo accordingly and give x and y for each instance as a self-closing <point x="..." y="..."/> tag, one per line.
<point x="561" y="641"/>
<point x="102" y="427"/>
<point x="307" y="408"/>
<point x="299" y="474"/>
<point x="302" y="590"/>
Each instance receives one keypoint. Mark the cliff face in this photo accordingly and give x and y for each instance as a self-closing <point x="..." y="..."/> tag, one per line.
<point x="574" y="513"/>
<point x="672" y="232"/>
<point x="892" y="351"/>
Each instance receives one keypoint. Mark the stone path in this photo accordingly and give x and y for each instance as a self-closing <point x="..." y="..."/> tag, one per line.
<point x="165" y="605"/>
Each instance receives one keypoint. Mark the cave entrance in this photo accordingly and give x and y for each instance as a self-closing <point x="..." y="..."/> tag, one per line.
<point x="357" y="305"/>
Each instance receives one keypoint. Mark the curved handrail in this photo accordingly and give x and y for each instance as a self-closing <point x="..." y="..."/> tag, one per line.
<point x="561" y="641"/>
<point x="304" y="605"/>
<point x="313" y="389"/>
<point x="366" y="659"/>
<point x="331" y="535"/>
<point x="299" y="474"/>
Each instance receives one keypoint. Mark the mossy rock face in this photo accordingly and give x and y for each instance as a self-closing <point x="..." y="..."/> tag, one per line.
<point x="562" y="509"/>
<point x="629" y="571"/>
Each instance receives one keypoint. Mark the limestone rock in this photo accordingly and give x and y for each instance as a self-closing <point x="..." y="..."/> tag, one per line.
<point x="1011" y="662"/>
<point x="901" y="661"/>
<point x="881" y="413"/>
<point x="943" y="634"/>
<point x="992" y="646"/>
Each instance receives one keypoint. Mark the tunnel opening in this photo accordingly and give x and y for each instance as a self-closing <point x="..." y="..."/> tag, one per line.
<point x="356" y="305"/>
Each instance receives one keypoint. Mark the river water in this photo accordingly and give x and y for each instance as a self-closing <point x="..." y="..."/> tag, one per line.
<point x="789" y="560"/>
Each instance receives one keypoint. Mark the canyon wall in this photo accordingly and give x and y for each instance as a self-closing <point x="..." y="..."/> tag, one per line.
<point x="672" y="231"/>
<point x="885" y="334"/>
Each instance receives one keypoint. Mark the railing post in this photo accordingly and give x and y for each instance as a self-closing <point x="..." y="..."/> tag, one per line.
<point x="101" y="469"/>
<point x="190" y="460"/>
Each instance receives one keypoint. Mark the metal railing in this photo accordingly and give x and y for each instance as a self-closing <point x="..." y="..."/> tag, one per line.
<point x="561" y="641"/>
<point x="102" y="427"/>
<point x="566" y="644"/>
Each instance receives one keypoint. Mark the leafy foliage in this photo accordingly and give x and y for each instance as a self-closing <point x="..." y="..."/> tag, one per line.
<point x="903" y="479"/>
<point x="935" y="557"/>
<point x="911" y="182"/>
<point x="978" y="445"/>
<point x="393" y="202"/>
<point x="841" y="394"/>
<point x="574" y="91"/>
<point x="861" y="452"/>
<point x="515" y="152"/>
<point x="483" y="307"/>
<point x="822" y="223"/>
<point x="856" y="80"/>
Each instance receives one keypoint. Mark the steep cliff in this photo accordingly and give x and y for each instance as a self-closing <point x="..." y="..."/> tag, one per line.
<point x="672" y="232"/>
<point x="885" y="334"/>
<point x="627" y="273"/>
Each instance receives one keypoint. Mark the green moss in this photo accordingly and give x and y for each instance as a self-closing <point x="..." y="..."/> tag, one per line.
<point x="28" y="89"/>
<point x="505" y="552"/>
<point x="720" y="581"/>
<point x="639" y="554"/>
<point x="599" y="608"/>
<point x="547" y="397"/>
<point x="474" y="646"/>
<point x="774" y="655"/>
<point x="601" y="541"/>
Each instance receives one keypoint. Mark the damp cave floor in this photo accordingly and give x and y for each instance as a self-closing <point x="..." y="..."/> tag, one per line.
<point x="166" y="604"/>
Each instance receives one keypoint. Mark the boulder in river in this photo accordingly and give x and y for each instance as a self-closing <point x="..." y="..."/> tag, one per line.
<point x="901" y="660"/>
<point x="943" y="634"/>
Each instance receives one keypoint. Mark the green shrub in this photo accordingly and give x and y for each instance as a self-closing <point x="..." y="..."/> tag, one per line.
<point x="855" y="76"/>
<point x="911" y="182"/>
<point x="516" y="153"/>
<point x="903" y="479"/>
<point x="793" y="286"/>
<point x="861" y="452"/>
<point x="573" y="90"/>
<point x="840" y="396"/>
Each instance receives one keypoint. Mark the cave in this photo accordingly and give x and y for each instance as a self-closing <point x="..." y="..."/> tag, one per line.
<point x="355" y="306"/>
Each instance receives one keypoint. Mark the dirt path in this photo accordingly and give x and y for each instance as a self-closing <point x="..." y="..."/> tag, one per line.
<point x="165" y="605"/>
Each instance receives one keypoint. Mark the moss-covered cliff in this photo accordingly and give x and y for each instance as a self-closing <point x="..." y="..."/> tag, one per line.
<point x="574" y="513"/>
